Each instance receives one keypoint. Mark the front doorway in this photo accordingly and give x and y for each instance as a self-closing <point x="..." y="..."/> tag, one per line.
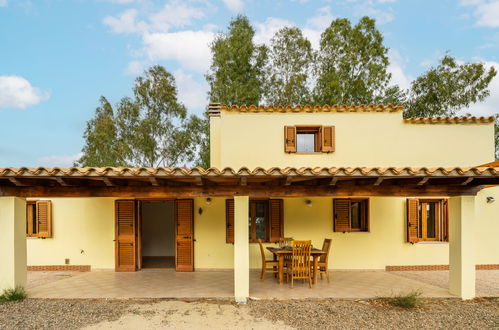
<point x="157" y="234"/>
<point x="154" y="234"/>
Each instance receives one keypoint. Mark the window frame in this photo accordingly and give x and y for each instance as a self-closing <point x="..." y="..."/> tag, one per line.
<point x="310" y="129"/>
<point x="364" y="223"/>
<point x="252" y="220"/>
<point x="439" y="220"/>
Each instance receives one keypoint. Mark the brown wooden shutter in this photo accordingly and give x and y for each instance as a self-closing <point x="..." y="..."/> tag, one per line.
<point x="125" y="236"/>
<point x="341" y="211"/>
<point x="276" y="219"/>
<point x="229" y="218"/>
<point x="328" y="140"/>
<point x="445" y="220"/>
<point x="412" y="220"/>
<point x="289" y="139"/>
<point x="44" y="218"/>
<point x="185" y="235"/>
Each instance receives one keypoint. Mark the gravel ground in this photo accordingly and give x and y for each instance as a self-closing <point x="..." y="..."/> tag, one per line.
<point x="259" y="314"/>
<point x="487" y="281"/>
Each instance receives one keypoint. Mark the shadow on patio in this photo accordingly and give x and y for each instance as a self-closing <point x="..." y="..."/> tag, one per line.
<point x="171" y="284"/>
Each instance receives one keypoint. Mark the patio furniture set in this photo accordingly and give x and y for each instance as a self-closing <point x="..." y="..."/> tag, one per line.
<point x="297" y="260"/>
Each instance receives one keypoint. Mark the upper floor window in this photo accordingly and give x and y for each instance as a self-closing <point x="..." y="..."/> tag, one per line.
<point x="307" y="139"/>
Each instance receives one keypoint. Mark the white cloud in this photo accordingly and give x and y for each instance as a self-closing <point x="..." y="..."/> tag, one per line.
<point x="323" y="18"/>
<point x="314" y="36"/>
<point x="136" y="67"/>
<point x="382" y="16"/>
<point x="266" y="30"/>
<point x="3" y="3"/>
<point x="125" y="22"/>
<point x="488" y="14"/>
<point x="387" y="1"/>
<point x="17" y="92"/>
<point x="396" y="68"/>
<point x="175" y="14"/>
<point x="58" y="161"/>
<point x="234" y="5"/>
<point x="190" y="48"/>
<point x="190" y="91"/>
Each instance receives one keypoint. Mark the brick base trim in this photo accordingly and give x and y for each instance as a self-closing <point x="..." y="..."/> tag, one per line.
<point x="435" y="267"/>
<point x="60" y="268"/>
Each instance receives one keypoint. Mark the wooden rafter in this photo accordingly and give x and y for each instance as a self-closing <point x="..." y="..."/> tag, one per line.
<point x="468" y="180"/>
<point x="154" y="181"/>
<point x="61" y="181"/>
<point x="243" y="181"/>
<point x="199" y="181"/>
<point x="378" y="181"/>
<point x="289" y="180"/>
<point x="333" y="181"/>
<point x="423" y="180"/>
<point x="107" y="182"/>
<point x="16" y="182"/>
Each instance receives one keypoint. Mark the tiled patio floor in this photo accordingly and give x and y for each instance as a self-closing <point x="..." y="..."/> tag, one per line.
<point x="171" y="284"/>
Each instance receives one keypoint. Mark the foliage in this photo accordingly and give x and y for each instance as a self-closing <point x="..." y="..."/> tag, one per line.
<point x="236" y="72"/>
<point x="447" y="88"/>
<point x="288" y="68"/>
<point x="151" y="129"/>
<point x="15" y="294"/>
<point x="352" y="64"/>
<point x="410" y="300"/>
<point x="497" y="136"/>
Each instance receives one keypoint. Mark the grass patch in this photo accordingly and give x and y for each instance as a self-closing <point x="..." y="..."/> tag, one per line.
<point x="15" y="294"/>
<point x="408" y="301"/>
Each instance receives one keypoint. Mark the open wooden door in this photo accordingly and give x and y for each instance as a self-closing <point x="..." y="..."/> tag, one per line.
<point x="125" y="235"/>
<point x="184" y="213"/>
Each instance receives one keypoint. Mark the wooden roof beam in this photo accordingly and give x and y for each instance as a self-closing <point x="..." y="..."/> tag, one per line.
<point x="199" y="181"/>
<point x="154" y="181"/>
<point x="334" y="180"/>
<point x="243" y="181"/>
<point x="108" y="182"/>
<point x="423" y="180"/>
<point x="17" y="182"/>
<point x="61" y="181"/>
<point x="289" y="180"/>
<point x="378" y="181"/>
<point x="468" y="180"/>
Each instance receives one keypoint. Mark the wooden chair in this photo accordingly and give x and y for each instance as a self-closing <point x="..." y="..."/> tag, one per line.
<point x="322" y="266"/>
<point x="273" y="264"/>
<point x="300" y="267"/>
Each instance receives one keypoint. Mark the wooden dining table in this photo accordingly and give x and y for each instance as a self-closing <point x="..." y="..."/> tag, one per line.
<point x="279" y="253"/>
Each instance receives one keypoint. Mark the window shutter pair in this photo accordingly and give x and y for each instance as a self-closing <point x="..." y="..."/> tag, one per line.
<point x="341" y="210"/>
<point x="44" y="218"/>
<point x="327" y="139"/>
<point x="275" y="221"/>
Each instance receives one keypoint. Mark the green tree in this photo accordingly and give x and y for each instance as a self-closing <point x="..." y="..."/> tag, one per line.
<point x="235" y="76"/>
<point x="150" y="129"/>
<point x="497" y="137"/>
<point x="447" y="88"/>
<point x="287" y="72"/>
<point x="352" y="65"/>
<point x="102" y="147"/>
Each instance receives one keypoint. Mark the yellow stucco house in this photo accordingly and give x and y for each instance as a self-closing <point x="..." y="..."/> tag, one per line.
<point x="391" y="193"/>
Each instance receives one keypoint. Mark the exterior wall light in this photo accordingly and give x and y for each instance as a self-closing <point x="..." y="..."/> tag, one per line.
<point x="208" y="201"/>
<point x="490" y="199"/>
<point x="308" y="202"/>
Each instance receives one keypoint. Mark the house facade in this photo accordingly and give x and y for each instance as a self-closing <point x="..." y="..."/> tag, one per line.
<point x="391" y="193"/>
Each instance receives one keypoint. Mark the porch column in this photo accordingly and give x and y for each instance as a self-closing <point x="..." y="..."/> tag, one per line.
<point x="461" y="246"/>
<point x="12" y="242"/>
<point x="241" y="249"/>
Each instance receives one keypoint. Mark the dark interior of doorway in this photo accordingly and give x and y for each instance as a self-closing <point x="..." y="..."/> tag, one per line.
<point x="157" y="234"/>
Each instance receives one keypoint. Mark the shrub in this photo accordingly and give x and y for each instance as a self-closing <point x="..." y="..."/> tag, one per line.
<point x="17" y="293"/>
<point x="410" y="300"/>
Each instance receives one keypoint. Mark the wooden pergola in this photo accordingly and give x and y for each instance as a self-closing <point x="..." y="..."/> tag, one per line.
<point x="259" y="182"/>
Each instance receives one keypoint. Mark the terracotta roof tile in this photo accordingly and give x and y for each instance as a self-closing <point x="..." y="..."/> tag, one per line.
<point x="450" y="120"/>
<point x="244" y="171"/>
<point x="309" y="108"/>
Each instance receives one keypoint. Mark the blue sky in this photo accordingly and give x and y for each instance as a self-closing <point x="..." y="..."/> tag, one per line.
<point x="57" y="57"/>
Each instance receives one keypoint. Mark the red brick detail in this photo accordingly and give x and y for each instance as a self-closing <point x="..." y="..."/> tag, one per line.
<point x="60" y="268"/>
<point x="435" y="267"/>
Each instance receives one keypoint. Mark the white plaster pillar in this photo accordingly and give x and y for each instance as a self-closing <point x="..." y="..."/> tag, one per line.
<point x="461" y="246"/>
<point x="241" y="249"/>
<point x="12" y="242"/>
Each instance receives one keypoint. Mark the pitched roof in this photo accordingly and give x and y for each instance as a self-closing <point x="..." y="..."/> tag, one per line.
<point x="244" y="171"/>
<point x="450" y="120"/>
<point x="308" y="108"/>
